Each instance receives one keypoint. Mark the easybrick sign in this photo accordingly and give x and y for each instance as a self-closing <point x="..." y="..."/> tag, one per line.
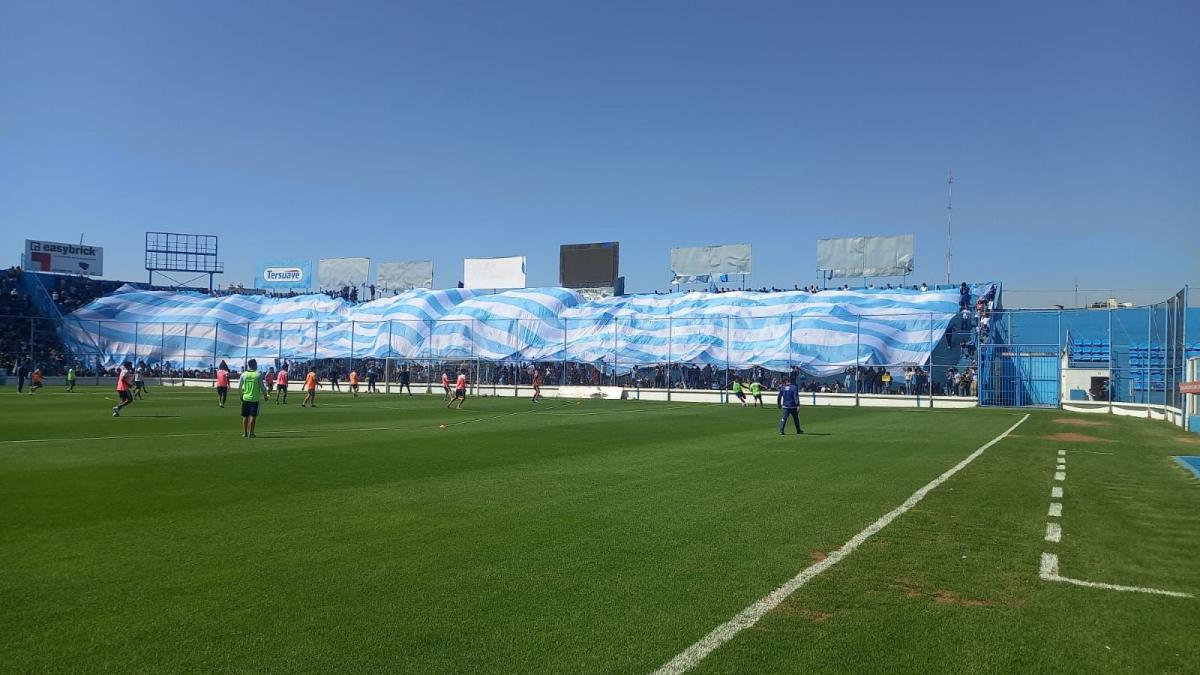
<point x="60" y="258"/>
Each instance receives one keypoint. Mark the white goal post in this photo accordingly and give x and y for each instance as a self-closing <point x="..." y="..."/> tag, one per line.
<point x="424" y="375"/>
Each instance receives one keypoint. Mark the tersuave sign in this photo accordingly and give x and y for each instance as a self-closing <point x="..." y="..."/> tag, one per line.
<point x="283" y="274"/>
<point x="275" y="274"/>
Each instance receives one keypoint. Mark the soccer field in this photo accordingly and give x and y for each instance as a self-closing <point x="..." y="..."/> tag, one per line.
<point x="387" y="533"/>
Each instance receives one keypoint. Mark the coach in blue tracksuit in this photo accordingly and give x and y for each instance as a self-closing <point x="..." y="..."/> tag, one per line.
<point x="789" y="400"/>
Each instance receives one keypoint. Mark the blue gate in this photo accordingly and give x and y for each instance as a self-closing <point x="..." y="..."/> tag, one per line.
<point x="1020" y="376"/>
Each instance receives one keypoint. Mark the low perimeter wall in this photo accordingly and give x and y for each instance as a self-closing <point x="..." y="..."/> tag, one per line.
<point x="1148" y="411"/>
<point x="674" y="395"/>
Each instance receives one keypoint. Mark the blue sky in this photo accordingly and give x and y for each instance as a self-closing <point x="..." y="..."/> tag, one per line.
<point x="447" y="130"/>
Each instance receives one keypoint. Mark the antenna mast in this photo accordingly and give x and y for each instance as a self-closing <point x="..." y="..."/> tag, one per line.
<point x="949" y="224"/>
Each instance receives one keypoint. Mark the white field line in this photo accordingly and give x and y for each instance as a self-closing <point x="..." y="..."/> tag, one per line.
<point x="1049" y="572"/>
<point x="496" y="417"/>
<point x="1055" y="510"/>
<point x="688" y="658"/>
<point x="1060" y="475"/>
<point x="1053" y="532"/>
<point x="1056" y="492"/>
<point x="1093" y="452"/>
<point x="1062" y="453"/>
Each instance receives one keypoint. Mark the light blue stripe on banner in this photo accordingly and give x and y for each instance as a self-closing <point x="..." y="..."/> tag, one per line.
<point x="827" y="330"/>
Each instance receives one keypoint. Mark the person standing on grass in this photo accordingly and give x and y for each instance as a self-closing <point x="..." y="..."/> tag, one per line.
<point x="71" y="378"/>
<point x="252" y="394"/>
<point x="333" y="380"/>
<point x="310" y="387"/>
<point x="460" y="390"/>
<point x="446" y="386"/>
<point x="354" y="382"/>
<point x="405" y="380"/>
<point x="537" y="386"/>
<point x="756" y="392"/>
<point x="139" y="385"/>
<point x="222" y="383"/>
<point x="22" y="373"/>
<point x="371" y="380"/>
<point x="35" y="381"/>
<point x="281" y="385"/>
<point x="269" y="380"/>
<point x="124" y="384"/>
<point x="788" y="400"/>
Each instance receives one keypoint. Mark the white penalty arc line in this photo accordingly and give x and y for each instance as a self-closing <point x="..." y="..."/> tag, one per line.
<point x="688" y="658"/>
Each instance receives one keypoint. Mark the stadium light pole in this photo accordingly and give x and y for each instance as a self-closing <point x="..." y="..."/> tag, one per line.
<point x="949" y="224"/>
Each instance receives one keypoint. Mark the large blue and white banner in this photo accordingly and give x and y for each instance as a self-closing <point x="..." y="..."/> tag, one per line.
<point x="277" y="274"/>
<point x="821" y="333"/>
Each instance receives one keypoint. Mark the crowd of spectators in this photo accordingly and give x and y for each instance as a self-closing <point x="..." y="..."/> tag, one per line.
<point x="69" y="293"/>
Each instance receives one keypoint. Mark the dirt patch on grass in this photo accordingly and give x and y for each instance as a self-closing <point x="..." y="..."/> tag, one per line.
<point x="944" y="597"/>
<point x="817" y="556"/>
<point x="792" y="610"/>
<point x="1073" y="437"/>
<point x="1071" y="421"/>
<point x="908" y="588"/>
<point x="940" y="597"/>
<point x="1189" y="440"/>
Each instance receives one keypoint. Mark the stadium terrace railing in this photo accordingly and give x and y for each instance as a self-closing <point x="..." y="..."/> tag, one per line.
<point x="872" y="354"/>
<point x="1117" y="355"/>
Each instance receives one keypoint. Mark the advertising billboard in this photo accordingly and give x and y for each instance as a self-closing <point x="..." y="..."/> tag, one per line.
<point x="588" y="265"/>
<point x="60" y="258"/>
<point x="289" y="274"/>
<point x="700" y="263"/>
<point x="866" y="256"/>
<point x="337" y="273"/>
<point x="404" y="275"/>
<point x="494" y="272"/>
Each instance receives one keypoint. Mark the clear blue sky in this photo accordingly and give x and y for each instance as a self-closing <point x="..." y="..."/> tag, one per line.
<point x="442" y="130"/>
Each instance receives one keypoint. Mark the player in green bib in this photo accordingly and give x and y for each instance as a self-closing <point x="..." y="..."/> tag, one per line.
<point x="252" y="394"/>
<point x="756" y="392"/>
<point x="71" y="378"/>
<point x="737" y="390"/>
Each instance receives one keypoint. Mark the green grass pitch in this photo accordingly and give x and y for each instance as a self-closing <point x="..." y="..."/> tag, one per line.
<point x="595" y="536"/>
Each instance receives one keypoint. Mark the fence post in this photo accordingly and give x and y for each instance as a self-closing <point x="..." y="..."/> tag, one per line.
<point x="351" y="347"/>
<point x="563" y="360"/>
<point x="929" y="372"/>
<point x="183" y="365"/>
<point x="316" y="337"/>
<point x="246" y="357"/>
<point x="1149" y="355"/>
<point x="162" y="351"/>
<point x="791" y="354"/>
<point x="857" y="359"/>
<point x="429" y="355"/>
<point x="216" y="333"/>
<point x="136" y="327"/>
<point x="615" y="358"/>
<point x="1112" y="344"/>
<point x="99" y="355"/>
<point x="727" y="338"/>
<point x="387" y="362"/>
<point x="670" y="341"/>
<point x="279" y="351"/>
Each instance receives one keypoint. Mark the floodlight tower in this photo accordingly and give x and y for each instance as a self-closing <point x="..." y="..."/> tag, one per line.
<point x="949" y="223"/>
